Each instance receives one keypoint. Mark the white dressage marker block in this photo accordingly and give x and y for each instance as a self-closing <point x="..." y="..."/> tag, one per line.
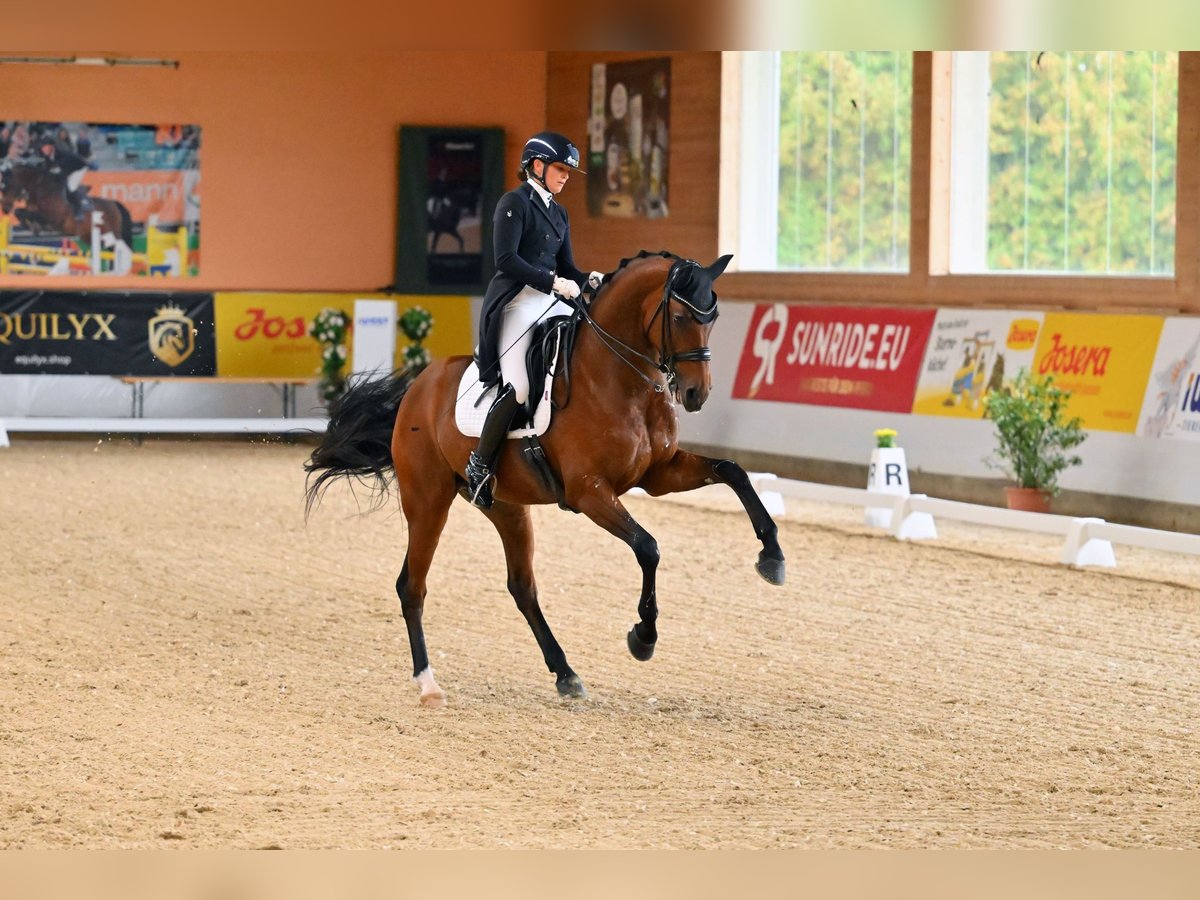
<point x="1084" y="550"/>
<point x="909" y="523"/>
<point x="772" y="500"/>
<point x="3" y="435"/>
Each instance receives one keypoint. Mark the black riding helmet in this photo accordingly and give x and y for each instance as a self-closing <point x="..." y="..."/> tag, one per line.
<point x="551" y="147"/>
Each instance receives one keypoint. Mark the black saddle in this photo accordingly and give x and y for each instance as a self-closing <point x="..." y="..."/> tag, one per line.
<point x="553" y="339"/>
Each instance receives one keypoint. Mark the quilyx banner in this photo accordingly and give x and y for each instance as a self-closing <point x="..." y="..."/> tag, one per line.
<point x="63" y="333"/>
<point x="1171" y="408"/>
<point x="856" y="357"/>
<point x="99" y="199"/>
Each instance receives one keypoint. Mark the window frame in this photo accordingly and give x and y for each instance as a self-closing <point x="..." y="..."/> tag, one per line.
<point x="929" y="281"/>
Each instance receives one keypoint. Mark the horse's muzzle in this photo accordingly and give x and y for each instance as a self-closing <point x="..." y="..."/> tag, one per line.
<point x="693" y="398"/>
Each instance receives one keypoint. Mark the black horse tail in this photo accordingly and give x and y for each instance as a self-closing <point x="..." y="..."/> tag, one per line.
<point x="358" y="442"/>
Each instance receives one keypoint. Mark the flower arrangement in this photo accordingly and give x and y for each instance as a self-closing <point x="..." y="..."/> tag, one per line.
<point x="329" y="329"/>
<point x="416" y="322"/>
<point x="1032" y="432"/>
<point x="885" y="437"/>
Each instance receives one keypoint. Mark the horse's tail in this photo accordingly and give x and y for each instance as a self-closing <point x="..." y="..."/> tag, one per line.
<point x="358" y="442"/>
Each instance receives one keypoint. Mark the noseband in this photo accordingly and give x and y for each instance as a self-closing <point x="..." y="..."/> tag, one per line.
<point x="665" y="364"/>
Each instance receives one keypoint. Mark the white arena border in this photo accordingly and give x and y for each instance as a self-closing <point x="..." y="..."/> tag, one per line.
<point x="1087" y="541"/>
<point x="126" y="425"/>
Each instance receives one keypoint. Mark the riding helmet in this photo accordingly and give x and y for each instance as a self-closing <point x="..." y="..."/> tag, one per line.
<point x="551" y="147"/>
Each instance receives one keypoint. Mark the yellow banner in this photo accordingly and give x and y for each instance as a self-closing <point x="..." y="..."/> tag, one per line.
<point x="1103" y="360"/>
<point x="265" y="335"/>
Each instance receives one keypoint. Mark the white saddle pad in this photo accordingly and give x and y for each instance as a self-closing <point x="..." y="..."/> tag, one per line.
<point x="469" y="415"/>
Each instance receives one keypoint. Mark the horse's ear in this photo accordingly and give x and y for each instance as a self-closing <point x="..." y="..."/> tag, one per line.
<point x="715" y="270"/>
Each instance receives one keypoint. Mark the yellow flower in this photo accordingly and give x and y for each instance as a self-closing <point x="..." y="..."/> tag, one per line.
<point x="885" y="437"/>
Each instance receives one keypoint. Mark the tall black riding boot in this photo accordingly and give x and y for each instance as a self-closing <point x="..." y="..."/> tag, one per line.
<point x="481" y="467"/>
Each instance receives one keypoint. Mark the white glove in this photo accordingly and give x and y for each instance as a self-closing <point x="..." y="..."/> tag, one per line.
<point x="595" y="280"/>
<point x="566" y="288"/>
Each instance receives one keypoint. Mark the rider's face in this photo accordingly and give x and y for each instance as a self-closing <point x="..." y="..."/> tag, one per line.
<point x="556" y="176"/>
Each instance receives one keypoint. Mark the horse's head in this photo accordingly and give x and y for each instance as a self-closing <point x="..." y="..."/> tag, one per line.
<point x="685" y="315"/>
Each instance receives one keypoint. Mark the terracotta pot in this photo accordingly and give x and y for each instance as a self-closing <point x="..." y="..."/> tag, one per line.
<point x="1028" y="499"/>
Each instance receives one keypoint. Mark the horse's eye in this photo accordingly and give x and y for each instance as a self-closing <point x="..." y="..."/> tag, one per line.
<point x="677" y="318"/>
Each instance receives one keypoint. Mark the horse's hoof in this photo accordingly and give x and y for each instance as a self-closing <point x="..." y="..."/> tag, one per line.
<point x="572" y="687"/>
<point x="640" y="650"/>
<point x="770" y="569"/>
<point x="433" y="700"/>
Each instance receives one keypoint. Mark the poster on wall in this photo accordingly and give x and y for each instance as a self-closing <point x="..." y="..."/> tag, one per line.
<point x="83" y="198"/>
<point x="971" y="353"/>
<point x="73" y="333"/>
<point x="856" y="357"/>
<point x="1171" y="407"/>
<point x="629" y="138"/>
<point x="1103" y="360"/>
<point x="450" y="182"/>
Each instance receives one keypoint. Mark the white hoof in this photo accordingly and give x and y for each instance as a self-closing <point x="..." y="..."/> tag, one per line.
<point x="432" y="696"/>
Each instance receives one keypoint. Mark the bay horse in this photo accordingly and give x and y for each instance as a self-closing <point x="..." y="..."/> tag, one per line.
<point x="616" y="430"/>
<point x="48" y="209"/>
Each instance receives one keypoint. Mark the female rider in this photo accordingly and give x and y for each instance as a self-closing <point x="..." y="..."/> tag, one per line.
<point x="531" y="237"/>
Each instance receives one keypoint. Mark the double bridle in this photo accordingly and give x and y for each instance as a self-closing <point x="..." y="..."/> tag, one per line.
<point x="665" y="364"/>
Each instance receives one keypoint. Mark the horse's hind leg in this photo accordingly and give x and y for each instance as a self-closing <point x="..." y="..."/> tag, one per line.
<point x="426" y="506"/>
<point x="516" y="533"/>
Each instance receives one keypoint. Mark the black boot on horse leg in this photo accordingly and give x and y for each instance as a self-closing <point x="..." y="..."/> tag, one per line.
<point x="481" y="467"/>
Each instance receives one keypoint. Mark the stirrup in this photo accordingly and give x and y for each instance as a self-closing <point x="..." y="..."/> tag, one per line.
<point x="479" y="482"/>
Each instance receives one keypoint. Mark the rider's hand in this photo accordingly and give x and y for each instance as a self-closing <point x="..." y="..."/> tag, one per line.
<point x="595" y="280"/>
<point x="566" y="288"/>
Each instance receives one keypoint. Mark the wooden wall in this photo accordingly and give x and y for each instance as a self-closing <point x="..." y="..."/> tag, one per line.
<point x="692" y="228"/>
<point x="695" y="128"/>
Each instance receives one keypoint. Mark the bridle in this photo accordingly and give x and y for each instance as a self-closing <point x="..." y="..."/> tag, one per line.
<point x="665" y="364"/>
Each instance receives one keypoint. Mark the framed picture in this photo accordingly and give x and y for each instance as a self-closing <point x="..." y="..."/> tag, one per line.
<point x="450" y="181"/>
<point x="629" y="139"/>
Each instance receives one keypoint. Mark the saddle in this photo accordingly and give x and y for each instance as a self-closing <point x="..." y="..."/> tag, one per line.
<point x="549" y="355"/>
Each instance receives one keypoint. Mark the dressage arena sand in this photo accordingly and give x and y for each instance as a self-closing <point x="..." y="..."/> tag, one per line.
<point x="185" y="663"/>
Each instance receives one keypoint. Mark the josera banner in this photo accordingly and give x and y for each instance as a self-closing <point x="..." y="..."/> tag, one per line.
<point x="970" y="353"/>
<point x="133" y="190"/>
<point x="1103" y="360"/>
<point x="858" y="357"/>
<point x="106" y="334"/>
<point x="266" y="334"/>
<point x="1171" y="407"/>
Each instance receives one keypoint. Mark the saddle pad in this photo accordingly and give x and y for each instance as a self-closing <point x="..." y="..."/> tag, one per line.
<point x="469" y="417"/>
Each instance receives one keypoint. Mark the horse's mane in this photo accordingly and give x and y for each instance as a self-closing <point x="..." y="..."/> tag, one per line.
<point x="641" y="254"/>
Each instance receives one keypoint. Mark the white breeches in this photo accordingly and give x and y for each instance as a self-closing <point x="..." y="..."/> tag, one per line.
<point x="74" y="179"/>
<point x="517" y="325"/>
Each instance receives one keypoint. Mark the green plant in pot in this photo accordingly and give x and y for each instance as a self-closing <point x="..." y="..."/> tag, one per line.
<point x="1033" y="437"/>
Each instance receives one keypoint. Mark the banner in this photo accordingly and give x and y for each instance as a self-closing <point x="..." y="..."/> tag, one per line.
<point x="857" y="357"/>
<point x="65" y="333"/>
<point x="970" y="353"/>
<point x="1171" y="407"/>
<point x="265" y="335"/>
<point x="629" y="138"/>
<point x="99" y="199"/>
<point x="1103" y="360"/>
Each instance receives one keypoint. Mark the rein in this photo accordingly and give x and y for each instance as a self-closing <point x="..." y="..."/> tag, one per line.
<point x="665" y="364"/>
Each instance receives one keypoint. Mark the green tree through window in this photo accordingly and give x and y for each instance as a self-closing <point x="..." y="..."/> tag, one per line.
<point x="1081" y="162"/>
<point x="845" y="128"/>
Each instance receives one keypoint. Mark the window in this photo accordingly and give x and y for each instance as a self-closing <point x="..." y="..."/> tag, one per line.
<point x="825" y="161"/>
<point x="1064" y="162"/>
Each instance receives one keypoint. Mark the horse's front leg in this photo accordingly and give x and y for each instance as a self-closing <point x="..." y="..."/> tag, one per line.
<point x="599" y="502"/>
<point x="686" y="471"/>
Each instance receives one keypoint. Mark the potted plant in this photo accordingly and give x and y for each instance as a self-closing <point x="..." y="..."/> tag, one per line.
<point x="1034" y="438"/>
